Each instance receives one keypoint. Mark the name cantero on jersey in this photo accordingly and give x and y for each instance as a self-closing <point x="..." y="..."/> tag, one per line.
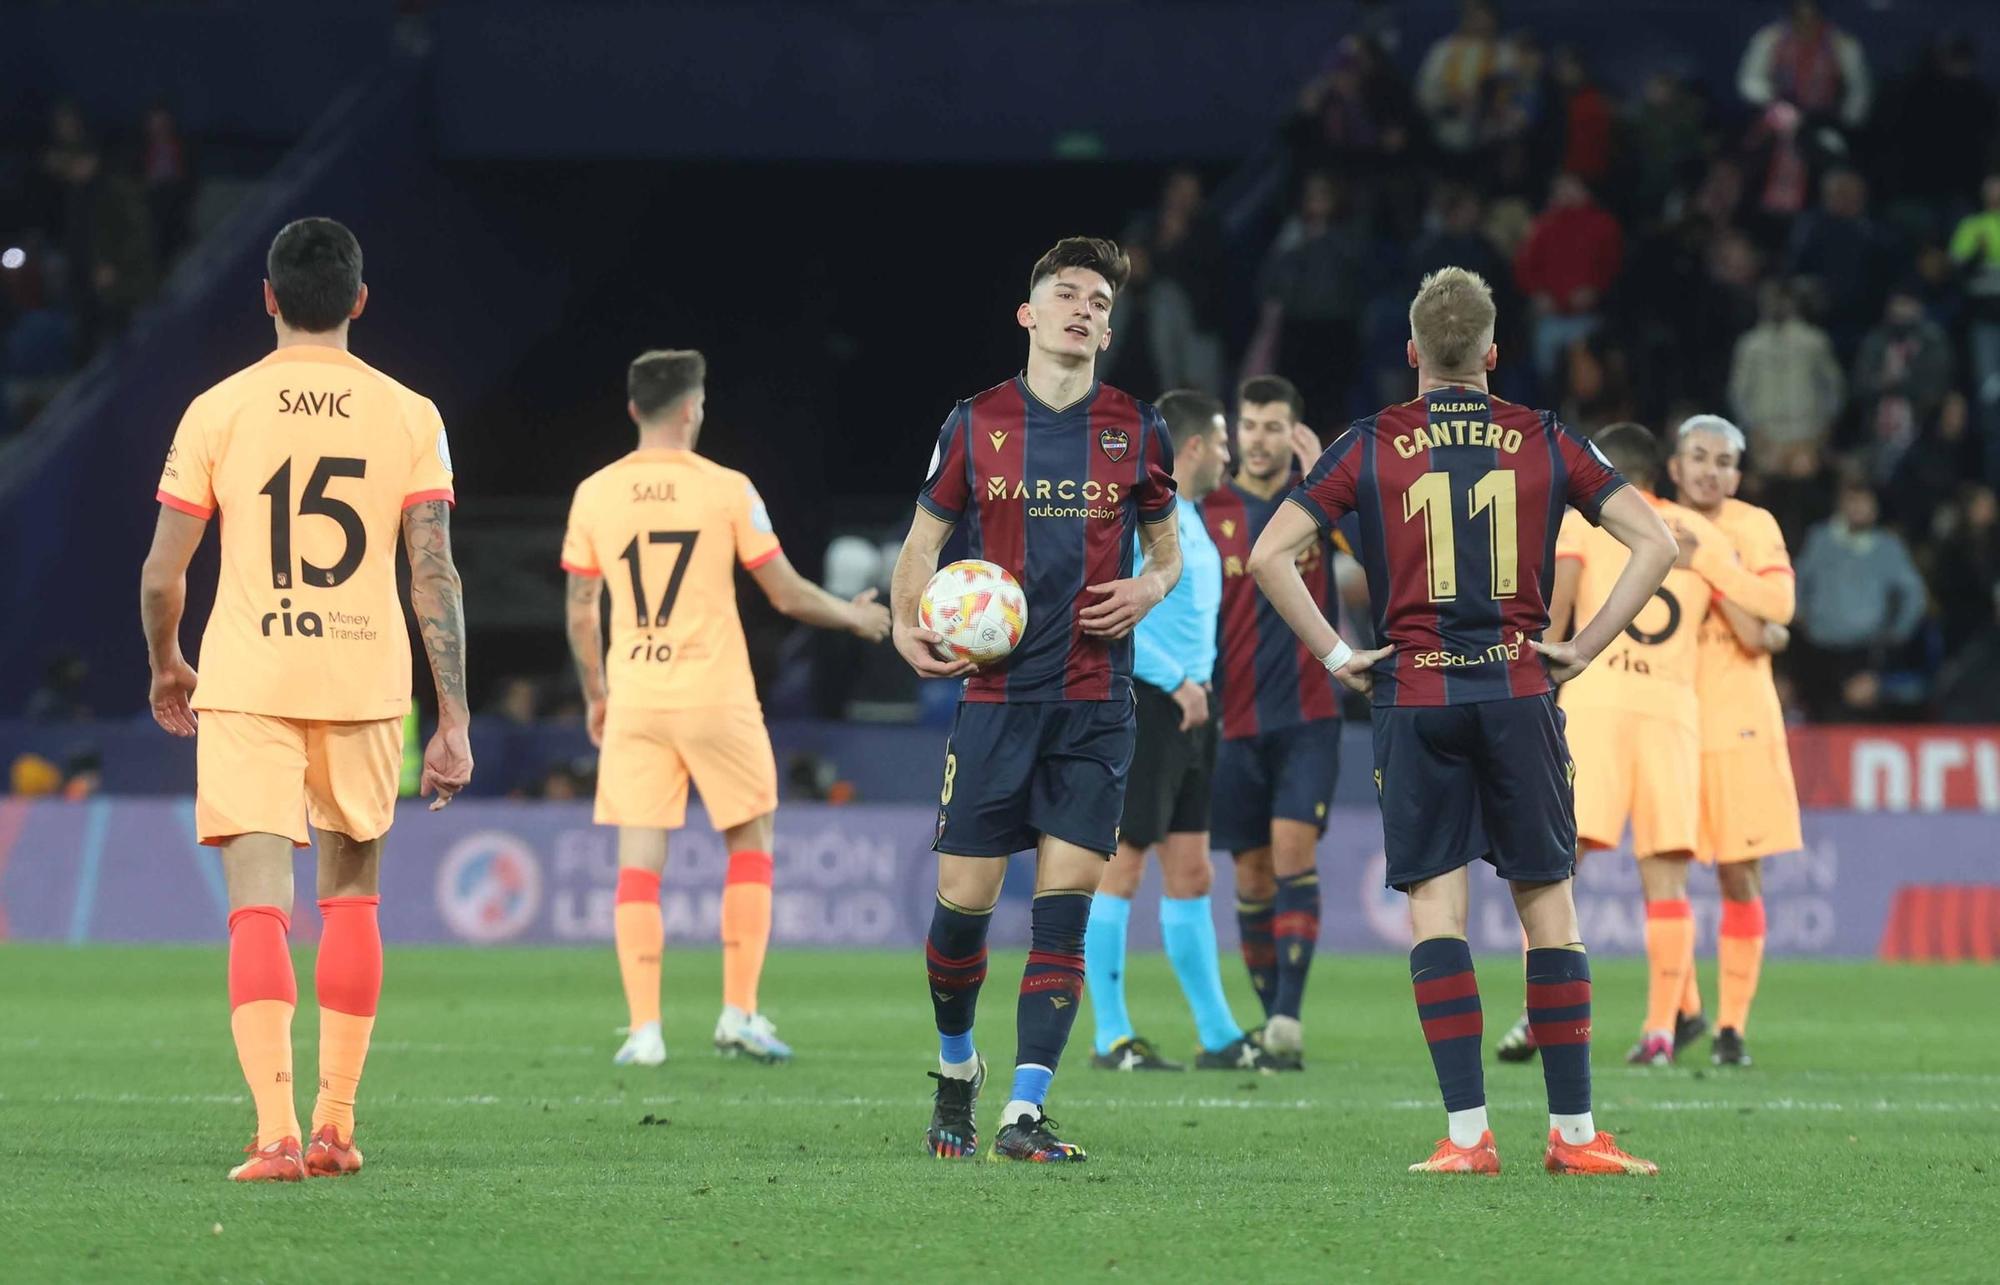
<point x="1457" y="432"/>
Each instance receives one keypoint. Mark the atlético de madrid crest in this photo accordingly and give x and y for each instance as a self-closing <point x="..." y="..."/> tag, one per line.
<point x="1113" y="442"/>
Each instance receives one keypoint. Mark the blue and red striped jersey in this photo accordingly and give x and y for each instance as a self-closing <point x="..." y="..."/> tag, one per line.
<point x="1054" y="496"/>
<point x="1265" y="678"/>
<point x="1459" y="496"/>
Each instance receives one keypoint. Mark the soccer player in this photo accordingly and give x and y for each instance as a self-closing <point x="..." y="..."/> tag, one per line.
<point x="315" y="459"/>
<point x="1280" y="754"/>
<point x="662" y="530"/>
<point x="1633" y="723"/>
<point x="1167" y="796"/>
<point x="1052" y="471"/>
<point x="1459" y="495"/>
<point x="1749" y="803"/>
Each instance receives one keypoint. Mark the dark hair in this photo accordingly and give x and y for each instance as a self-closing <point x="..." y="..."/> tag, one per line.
<point x="1188" y="414"/>
<point x="658" y="379"/>
<point x="314" y="268"/>
<point x="1096" y="253"/>
<point x="1263" y="389"/>
<point x="1633" y="450"/>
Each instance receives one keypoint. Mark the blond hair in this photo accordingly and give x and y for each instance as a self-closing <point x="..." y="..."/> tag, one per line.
<point x="1451" y="321"/>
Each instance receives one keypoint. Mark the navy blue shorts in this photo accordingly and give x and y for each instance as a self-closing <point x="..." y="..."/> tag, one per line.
<point x="1013" y="773"/>
<point x="1463" y="782"/>
<point x="1286" y="775"/>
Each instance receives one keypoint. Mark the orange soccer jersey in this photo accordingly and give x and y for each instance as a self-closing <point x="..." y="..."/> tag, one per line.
<point x="1650" y="668"/>
<point x="1749" y="801"/>
<point x="666" y="529"/>
<point x="309" y="457"/>
<point x="1633" y="729"/>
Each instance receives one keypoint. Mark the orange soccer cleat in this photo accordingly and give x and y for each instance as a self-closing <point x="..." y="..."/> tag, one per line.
<point x="328" y="1157"/>
<point x="1481" y="1157"/>
<point x="1601" y="1154"/>
<point x="278" y="1162"/>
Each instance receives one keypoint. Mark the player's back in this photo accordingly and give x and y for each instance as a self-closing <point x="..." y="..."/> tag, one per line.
<point x="666" y="529"/>
<point x="1459" y="495"/>
<point x="1737" y="691"/>
<point x="309" y="457"/>
<point x="1650" y="667"/>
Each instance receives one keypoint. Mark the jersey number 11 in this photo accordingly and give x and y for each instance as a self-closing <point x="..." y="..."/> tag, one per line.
<point x="1493" y="493"/>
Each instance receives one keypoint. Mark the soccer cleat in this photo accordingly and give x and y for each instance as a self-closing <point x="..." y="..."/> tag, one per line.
<point x="1728" y="1048"/>
<point x="278" y="1162"/>
<point x="753" y="1037"/>
<point x="954" y="1133"/>
<point x="1481" y="1157"/>
<point x="1687" y="1029"/>
<point x="1035" y="1141"/>
<point x="643" y="1047"/>
<point x="328" y="1157"/>
<point x="1518" y="1044"/>
<point x="1653" y="1049"/>
<point x="1237" y="1055"/>
<point x="1601" y="1154"/>
<point x="1134" y="1053"/>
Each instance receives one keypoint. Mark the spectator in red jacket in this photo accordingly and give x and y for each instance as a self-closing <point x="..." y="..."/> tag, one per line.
<point x="1587" y="118"/>
<point x="1565" y="265"/>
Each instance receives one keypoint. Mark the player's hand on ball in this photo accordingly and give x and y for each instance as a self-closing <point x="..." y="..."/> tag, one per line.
<point x="1689" y="542"/>
<point x="1565" y="662"/>
<point x="172" y="686"/>
<point x="1355" y="675"/>
<point x="1125" y="604"/>
<point x="918" y="647"/>
<point x="447" y="765"/>
<point x="871" y="618"/>
<point x="1192" y="697"/>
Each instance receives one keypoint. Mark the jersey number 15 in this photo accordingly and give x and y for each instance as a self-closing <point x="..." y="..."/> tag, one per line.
<point x="315" y="501"/>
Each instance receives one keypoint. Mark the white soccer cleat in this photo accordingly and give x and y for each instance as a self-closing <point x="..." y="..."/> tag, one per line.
<point x="643" y="1047"/>
<point x="750" y="1035"/>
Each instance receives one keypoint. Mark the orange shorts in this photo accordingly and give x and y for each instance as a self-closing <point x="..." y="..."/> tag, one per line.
<point x="1749" y="803"/>
<point x="1637" y="766"/>
<point x="260" y="774"/>
<point x="649" y="755"/>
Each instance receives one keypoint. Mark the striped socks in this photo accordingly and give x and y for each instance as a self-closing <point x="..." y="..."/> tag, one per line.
<point x="1448" y="1006"/>
<point x="1295" y="930"/>
<point x="1051" y="987"/>
<point x="1740" y="951"/>
<point x="955" y="959"/>
<point x="348" y="982"/>
<point x="1260" y="949"/>
<point x="1559" y="1015"/>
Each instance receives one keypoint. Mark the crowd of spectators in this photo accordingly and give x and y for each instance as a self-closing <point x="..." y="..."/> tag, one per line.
<point x="89" y="221"/>
<point x="1814" y="252"/>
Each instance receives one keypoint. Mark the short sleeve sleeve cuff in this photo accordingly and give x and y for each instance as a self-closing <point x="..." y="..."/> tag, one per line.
<point x="1303" y="498"/>
<point x="1162" y="513"/>
<point x="189" y="507"/>
<point x="436" y="493"/>
<point x="930" y="505"/>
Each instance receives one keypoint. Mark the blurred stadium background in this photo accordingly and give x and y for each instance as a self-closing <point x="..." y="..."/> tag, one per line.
<point x="839" y="204"/>
<point x="840" y="215"/>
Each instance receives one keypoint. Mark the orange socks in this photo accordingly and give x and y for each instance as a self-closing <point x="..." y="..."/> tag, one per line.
<point x="1669" y="957"/>
<point x="746" y="927"/>
<point x="1691" y="993"/>
<point x="348" y="981"/>
<point x="640" y="936"/>
<point x="1741" y="954"/>
<point x="263" y="994"/>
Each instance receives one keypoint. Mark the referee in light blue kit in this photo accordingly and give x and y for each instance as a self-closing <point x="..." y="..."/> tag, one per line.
<point x="1167" y="792"/>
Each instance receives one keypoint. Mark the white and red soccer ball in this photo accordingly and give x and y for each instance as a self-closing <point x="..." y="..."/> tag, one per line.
<point x="977" y="609"/>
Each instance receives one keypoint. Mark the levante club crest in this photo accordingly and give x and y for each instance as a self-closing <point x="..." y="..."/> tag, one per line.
<point x="1113" y="442"/>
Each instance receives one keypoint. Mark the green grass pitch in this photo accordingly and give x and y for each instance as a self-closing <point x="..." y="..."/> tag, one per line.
<point x="502" y="1144"/>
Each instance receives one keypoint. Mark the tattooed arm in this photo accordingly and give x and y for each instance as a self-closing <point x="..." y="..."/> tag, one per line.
<point x="586" y="643"/>
<point x="436" y="598"/>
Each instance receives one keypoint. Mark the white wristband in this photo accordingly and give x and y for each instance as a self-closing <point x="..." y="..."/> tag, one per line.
<point x="1339" y="656"/>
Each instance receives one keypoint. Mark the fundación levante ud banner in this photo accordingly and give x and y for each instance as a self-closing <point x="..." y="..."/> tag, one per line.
<point x="494" y="872"/>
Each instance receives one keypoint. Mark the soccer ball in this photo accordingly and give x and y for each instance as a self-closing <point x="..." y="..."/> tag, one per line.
<point x="977" y="609"/>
